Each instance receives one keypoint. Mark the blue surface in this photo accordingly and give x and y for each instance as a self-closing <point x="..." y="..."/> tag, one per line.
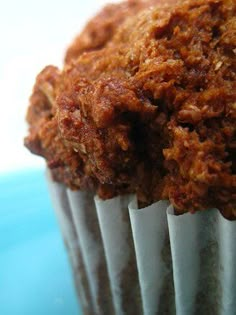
<point x="35" y="276"/>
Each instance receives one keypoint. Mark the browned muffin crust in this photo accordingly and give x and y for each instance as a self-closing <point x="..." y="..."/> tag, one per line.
<point x="149" y="111"/>
<point x="102" y="27"/>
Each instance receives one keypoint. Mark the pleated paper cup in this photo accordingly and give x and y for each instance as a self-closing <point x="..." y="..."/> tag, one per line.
<point x="147" y="261"/>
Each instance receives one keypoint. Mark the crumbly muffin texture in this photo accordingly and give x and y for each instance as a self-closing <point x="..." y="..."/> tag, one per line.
<point x="145" y="104"/>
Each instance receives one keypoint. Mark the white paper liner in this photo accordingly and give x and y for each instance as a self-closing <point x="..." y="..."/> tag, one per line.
<point x="150" y="232"/>
<point x="116" y="235"/>
<point x="71" y="240"/>
<point x="86" y="223"/>
<point x="186" y="264"/>
<point x="203" y="248"/>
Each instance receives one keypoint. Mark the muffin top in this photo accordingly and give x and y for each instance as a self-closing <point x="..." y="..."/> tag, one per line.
<point x="145" y="104"/>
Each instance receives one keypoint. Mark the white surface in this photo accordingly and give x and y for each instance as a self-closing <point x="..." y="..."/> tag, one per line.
<point x="33" y="34"/>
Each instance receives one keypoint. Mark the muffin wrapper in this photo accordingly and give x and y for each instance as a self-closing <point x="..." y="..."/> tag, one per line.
<point x="147" y="261"/>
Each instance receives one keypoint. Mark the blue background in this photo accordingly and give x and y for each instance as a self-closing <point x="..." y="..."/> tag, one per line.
<point x="35" y="277"/>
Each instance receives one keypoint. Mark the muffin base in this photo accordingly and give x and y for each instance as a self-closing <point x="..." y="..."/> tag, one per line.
<point x="146" y="261"/>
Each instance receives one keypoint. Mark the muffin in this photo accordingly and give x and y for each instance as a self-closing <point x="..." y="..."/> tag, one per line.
<point x="138" y="132"/>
